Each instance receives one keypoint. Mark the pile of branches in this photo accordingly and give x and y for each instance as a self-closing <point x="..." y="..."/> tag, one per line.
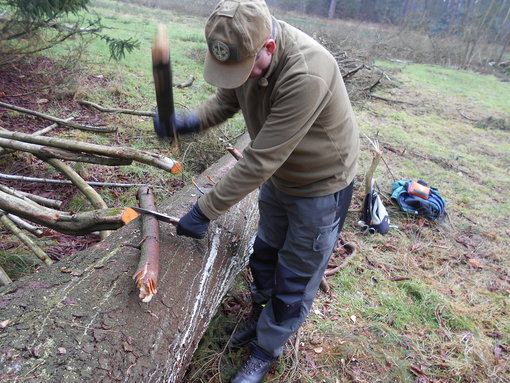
<point x="17" y="207"/>
<point x="361" y="78"/>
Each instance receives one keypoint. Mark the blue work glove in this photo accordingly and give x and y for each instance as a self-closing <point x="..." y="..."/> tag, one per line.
<point x="194" y="224"/>
<point x="183" y="123"/>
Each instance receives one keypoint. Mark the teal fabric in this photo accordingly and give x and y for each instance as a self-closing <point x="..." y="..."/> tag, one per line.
<point x="432" y="208"/>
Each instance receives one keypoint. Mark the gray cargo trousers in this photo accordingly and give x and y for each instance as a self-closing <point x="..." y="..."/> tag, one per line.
<point x="294" y="242"/>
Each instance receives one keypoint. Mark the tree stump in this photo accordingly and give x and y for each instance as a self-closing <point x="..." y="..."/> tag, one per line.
<point x="81" y="320"/>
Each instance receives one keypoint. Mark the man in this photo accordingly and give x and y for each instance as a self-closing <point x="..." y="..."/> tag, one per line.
<point x="302" y="155"/>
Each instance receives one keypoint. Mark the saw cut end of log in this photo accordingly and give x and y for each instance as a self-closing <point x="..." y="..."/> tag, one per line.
<point x="147" y="287"/>
<point x="160" y="47"/>
<point x="177" y="168"/>
<point x="128" y="215"/>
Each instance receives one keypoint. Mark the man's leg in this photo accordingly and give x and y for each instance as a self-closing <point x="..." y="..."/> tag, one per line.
<point x="273" y="226"/>
<point x="312" y="232"/>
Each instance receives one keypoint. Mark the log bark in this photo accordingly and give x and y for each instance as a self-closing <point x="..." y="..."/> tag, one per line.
<point x="81" y="320"/>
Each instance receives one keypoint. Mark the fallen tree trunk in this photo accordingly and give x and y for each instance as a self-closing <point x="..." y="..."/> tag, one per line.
<point x="81" y="320"/>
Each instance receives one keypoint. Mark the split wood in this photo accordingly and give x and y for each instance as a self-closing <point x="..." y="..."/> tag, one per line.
<point x="146" y="276"/>
<point x="60" y="121"/>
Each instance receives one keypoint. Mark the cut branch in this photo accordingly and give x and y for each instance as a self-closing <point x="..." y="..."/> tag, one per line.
<point x="51" y="152"/>
<point x="9" y="225"/>
<point x="60" y="121"/>
<point x="22" y="224"/>
<point x="375" y="161"/>
<point x="156" y="160"/>
<point x="32" y="197"/>
<point x="62" y="182"/>
<point x="39" y="132"/>
<point x="87" y="190"/>
<point x="146" y="276"/>
<point x="186" y="84"/>
<point x="4" y="278"/>
<point x="116" y="110"/>
<point x="353" y="72"/>
<point x="67" y="223"/>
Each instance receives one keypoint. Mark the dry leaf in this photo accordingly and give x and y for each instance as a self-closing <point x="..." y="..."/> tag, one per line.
<point x="5" y="323"/>
<point x="42" y="100"/>
<point x="474" y="263"/>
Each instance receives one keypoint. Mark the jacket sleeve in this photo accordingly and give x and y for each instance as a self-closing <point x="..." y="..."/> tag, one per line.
<point x="218" y="108"/>
<point x="296" y="105"/>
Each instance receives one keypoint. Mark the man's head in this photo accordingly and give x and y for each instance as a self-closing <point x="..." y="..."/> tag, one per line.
<point x="238" y="34"/>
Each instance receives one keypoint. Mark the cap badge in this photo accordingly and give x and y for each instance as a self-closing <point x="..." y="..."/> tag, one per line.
<point x="220" y="51"/>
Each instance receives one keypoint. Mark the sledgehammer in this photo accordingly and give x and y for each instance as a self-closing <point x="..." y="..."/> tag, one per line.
<point x="162" y="71"/>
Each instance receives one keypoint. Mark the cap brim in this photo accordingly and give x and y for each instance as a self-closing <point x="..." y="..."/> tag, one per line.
<point x="228" y="75"/>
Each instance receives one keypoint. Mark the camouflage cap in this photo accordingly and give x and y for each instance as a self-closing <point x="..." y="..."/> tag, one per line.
<point x="235" y="32"/>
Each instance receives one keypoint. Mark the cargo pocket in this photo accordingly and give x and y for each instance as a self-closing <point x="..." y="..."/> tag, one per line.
<point x="325" y="237"/>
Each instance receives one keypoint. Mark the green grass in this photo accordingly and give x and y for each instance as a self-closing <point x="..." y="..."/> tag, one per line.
<point x="486" y="90"/>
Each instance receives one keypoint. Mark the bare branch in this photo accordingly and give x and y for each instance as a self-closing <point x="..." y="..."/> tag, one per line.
<point x="87" y="190"/>
<point x="156" y="160"/>
<point x="146" y="276"/>
<point x="51" y="152"/>
<point x="22" y="224"/>
<point x="9" y="225"/>
<point x="62" y="182"/>
<point x="116" y="110"/>
<point x="67" y="223"/>
<point x="32" y="197"/>
<point x="4" y="278"/>
<point x="60" y="121"/>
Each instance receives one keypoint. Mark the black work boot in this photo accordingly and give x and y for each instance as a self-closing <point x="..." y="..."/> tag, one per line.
<point x="248" y="331"/>
<point x="254" y="370"/>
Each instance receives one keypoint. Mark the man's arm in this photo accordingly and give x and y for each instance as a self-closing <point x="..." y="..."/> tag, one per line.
<point x="287" y="124"/>
<point x="218" y="108"/>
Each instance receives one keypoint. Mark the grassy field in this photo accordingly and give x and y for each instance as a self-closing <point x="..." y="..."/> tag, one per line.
<point x="429" y="301"/>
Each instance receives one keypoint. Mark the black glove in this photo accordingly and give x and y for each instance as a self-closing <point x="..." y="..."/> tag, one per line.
<point x="194" y="224"/>
<point x="183" y="124"/>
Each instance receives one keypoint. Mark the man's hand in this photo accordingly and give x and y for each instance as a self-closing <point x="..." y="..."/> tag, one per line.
<point x="194" y="224"/>
<point x="183" y="124"/>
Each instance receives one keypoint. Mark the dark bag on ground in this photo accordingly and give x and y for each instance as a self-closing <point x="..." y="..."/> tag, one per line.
<point x="374" y="218"/>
